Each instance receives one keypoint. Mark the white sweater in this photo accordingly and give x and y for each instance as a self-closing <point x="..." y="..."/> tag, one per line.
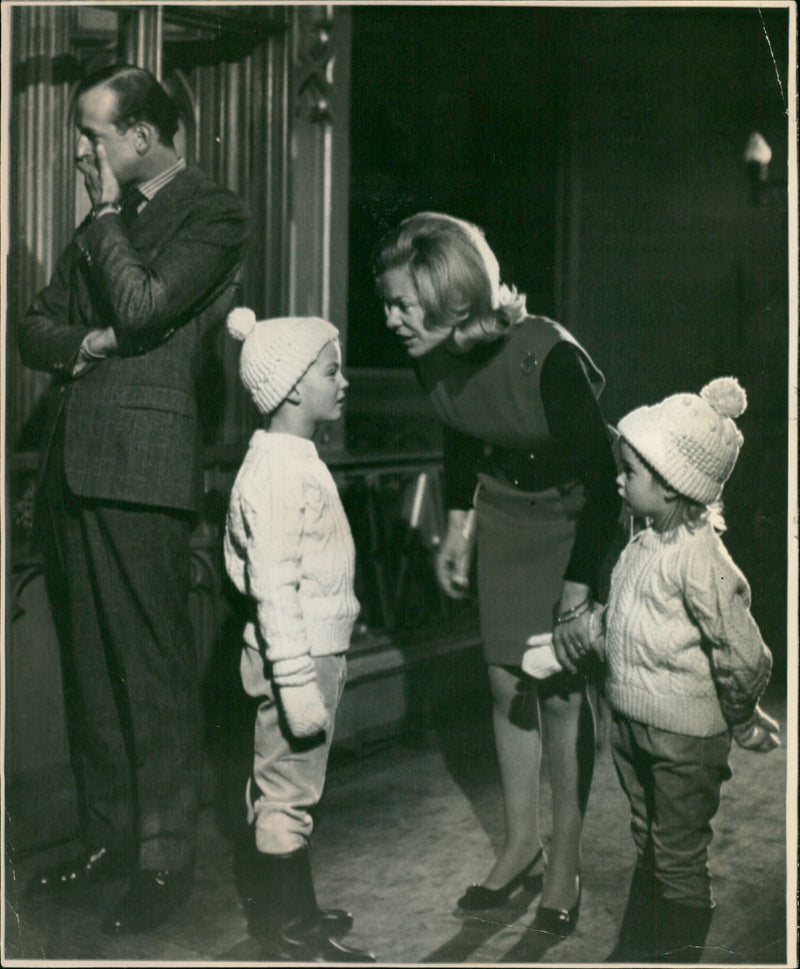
<point x="683" y="652"/>
<point x="288" y="545"/>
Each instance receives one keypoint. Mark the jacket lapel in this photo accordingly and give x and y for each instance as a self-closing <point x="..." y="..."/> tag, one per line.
<point x="151" y="226"/>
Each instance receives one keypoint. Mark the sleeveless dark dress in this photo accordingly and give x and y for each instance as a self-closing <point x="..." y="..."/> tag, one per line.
<point x="529" y="525"/>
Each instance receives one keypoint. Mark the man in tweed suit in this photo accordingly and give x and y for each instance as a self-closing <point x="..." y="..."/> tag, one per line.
<point x="144" y="279"/>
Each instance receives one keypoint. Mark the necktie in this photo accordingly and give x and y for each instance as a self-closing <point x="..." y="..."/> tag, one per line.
<point x="129" y="208"/>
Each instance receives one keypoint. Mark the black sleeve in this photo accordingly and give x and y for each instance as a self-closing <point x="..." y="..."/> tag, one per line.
<point x="462" y="455"/>
<point x="579" y="430"/>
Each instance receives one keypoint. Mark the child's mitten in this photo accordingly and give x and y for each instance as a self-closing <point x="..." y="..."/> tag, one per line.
<point x="759" y="733"/>
<point x="301" y="699"/>
<point x="304" y="708"/>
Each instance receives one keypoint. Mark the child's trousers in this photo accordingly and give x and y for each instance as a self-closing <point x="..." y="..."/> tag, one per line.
<point x="673" y="784"/>
<point x="288" y="772"/>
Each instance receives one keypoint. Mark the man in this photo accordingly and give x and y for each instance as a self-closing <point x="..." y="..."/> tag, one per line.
<point x="152" y="268"/>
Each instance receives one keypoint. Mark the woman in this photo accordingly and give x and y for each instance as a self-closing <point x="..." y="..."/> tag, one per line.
<point x="518" y="399"/>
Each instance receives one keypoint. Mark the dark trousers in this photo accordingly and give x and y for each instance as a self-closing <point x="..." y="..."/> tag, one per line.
<point x="118" y="581"/>
<point x="673" y="784"/>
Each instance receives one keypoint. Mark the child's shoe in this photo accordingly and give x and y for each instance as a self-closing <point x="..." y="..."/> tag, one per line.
<point x="306" y="942"/>
<point x="636" y="942"/>
<point x="283" y="914"/>
<point x="681" y="931"/>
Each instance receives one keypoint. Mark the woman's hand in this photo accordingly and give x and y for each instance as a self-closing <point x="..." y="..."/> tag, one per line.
<point x="572" y="639"/>
<point x="453" y="560"/>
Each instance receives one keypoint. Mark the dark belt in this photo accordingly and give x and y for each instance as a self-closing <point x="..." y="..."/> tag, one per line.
<point x="527" y="470"/>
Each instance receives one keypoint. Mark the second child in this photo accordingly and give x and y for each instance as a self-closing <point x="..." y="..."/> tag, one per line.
<point x="686" y="664"/>
<point x="288" y="547"/>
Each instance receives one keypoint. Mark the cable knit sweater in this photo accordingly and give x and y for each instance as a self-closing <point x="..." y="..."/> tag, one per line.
<point x="683" y="652"/>
<point x="288" y="545"/>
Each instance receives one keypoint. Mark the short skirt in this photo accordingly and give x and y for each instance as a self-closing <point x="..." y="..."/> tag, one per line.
<point x="524" y="543"/>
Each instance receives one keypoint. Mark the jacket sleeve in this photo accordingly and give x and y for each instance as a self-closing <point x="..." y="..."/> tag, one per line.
<point x="274" y="565"/>
<point x="461" y="456"/>
<point x="46" y="337"/>
<point x="718" y="599"/>
<point x="146" y="302"/>
<point x="579" y="430"/>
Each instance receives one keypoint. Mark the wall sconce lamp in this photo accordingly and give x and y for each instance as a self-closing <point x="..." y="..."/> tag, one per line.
<point x="757" y="156"/>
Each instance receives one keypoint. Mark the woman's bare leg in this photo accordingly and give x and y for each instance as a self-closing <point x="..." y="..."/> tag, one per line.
<point x="569" y="737"/>
<point x="518" y="740"/>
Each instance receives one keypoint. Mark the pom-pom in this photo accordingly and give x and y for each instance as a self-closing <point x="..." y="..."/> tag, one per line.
<point x="240" y="322"/>
<point x="726" y="395"/>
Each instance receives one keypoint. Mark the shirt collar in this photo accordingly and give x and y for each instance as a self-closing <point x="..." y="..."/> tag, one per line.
<point x="153" y="185"/>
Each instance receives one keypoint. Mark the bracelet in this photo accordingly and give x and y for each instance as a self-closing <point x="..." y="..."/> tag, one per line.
<point x="573" y="613"/>
<point x="104" y="207"/>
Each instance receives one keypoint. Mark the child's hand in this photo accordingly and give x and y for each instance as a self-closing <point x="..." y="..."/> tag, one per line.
<point x="760" y="734"/>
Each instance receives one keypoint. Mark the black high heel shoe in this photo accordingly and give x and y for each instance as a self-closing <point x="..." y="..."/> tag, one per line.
<point x="477" y="898"/>
<point x="534" y="883"/>
<point x="559" y="921"/>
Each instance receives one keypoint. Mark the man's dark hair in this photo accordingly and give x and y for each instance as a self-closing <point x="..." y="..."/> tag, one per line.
<point x="139" y="98"/>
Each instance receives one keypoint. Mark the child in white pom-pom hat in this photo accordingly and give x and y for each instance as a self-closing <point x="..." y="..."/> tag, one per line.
<point x="685" y="661"/>
<point x="288" y="547"/>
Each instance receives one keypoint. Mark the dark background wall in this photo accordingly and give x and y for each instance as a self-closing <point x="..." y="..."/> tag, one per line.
<point x="602" y="152"/>
<point x="448" y="110"/>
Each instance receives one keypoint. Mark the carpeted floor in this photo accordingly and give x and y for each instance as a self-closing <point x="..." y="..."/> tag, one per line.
<point x="403" y="828"/>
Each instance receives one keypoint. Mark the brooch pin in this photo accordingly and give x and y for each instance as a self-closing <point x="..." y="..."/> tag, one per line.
<point x="528" y="362"/>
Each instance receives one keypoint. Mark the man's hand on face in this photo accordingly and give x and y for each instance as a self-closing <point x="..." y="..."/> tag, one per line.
<point x="100" y="181"/>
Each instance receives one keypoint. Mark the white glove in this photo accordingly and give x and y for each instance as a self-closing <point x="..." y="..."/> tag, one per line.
<point x="301" y="699"/>
<point x="305" y="709"/>
<point x="540" y="660"/>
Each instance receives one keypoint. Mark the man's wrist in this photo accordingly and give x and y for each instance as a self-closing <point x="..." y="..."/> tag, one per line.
<point x="105" y="208"/>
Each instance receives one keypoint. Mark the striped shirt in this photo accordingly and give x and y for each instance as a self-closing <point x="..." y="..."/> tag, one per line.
<point x="153" y="185"/>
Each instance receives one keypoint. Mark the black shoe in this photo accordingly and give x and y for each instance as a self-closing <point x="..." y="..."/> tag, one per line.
<point x="636" y="941"/>
<point x="477" y="898"/>
<point x="681" y="931"/>
<point x="87" y="868"/>
<point x="336" y="921"/>
<point x="311" y="942"/>
<point x="150" y="900"/>
<point x="560" y="922"/>
<point x="534" y="883"/>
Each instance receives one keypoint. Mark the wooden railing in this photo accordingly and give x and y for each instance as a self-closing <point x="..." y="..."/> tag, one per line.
<point x="394" y="506"/>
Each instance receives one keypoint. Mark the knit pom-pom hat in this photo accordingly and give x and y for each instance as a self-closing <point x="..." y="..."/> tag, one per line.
<point x="276" y="352"/>
<point x="691" y="440"/>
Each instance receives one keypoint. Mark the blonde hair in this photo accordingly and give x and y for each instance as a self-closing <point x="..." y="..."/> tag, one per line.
<point x="456" y="275"/>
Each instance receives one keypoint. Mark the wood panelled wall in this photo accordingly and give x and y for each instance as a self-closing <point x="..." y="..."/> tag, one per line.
<point x="263" y="93"/>
<point x="40" y="182"/>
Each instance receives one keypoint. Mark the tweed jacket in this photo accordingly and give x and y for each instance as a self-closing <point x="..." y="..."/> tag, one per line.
<point x="163" y="283"/>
